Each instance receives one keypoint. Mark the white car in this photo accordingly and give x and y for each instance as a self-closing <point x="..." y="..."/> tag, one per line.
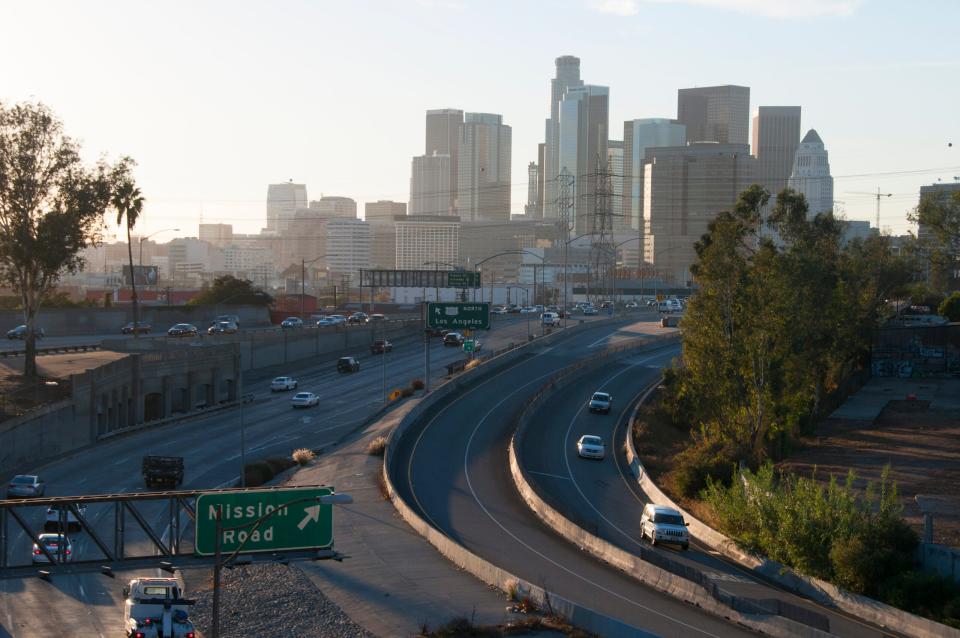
<point x="550" y="319"/>
<point x="58" y="545"/>
<point x="304" y="400"/>
<point x="498" y="310"/>
<point x="600" y="402"/>
<point x="528" y="310"/>
<point x="589" y="310"/>
<point x="57" y="514"/>
<point x="591" y="447"/>
<point x="281" y="384"/>
<point x="337" y="319"/>
<point x="326" y="321"/>
<point x="662" y="524"/>
<point x="291" y="322"/>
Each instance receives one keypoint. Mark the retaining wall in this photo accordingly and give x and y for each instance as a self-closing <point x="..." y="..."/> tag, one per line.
<point x="872" y="611"/>
<point x="49" y="428"/>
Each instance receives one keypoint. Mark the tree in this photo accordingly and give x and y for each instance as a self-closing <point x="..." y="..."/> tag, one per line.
<point x="939" y="213"/>
<point x="950" y="307"/>
<point x="229" y="288"/>
<point x="128" y="203"/>
<point x="51" y="208"/>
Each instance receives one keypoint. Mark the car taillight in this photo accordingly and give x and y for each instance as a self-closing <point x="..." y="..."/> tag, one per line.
<point x="139" y="634"/>
<point x="68" y="552"/>
<point x="147" y="621"/>
<point x="37" y="552"/>
<point x="190" y="634"/>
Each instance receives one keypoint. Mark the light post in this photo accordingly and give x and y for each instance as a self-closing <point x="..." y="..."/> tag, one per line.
<point x="441" y="263"/>
<point x="143" y="239"/>
<point x="244" y="399"/>
<point x="614" y="259"/>
<point x="303" y="278"/>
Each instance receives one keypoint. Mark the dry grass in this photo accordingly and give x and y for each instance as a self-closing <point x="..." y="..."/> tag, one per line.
<point x="303" y="456"/>
<point x="658" y="441"/>
<point x="377" y="446"/>
<point x="473" y="363"/>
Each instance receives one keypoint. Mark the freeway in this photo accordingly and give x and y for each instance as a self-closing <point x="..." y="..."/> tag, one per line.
<point x="90" y="604"/>
<point x="604" y="498"/>
<point x="453" y="469"/>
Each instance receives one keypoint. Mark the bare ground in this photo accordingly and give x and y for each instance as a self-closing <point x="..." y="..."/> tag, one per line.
<point x="18" y="396"/>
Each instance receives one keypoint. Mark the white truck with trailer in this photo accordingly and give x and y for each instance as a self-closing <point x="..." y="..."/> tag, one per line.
<point x="156" y="608"/>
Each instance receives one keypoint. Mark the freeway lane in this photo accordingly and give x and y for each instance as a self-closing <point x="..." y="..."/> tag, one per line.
<point x="603" y="497"/>
<point x="90" y="604"/>
<point x="453" y="468"/>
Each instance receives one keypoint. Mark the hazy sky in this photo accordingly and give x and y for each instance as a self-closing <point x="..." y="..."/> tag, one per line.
<point x="217" y="99"/>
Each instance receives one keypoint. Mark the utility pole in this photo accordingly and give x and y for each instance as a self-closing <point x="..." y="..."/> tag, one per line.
<point x="564" y="208"/>
<point x="601" y="227"/>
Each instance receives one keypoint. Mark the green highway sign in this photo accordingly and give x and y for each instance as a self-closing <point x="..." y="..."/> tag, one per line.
<point x="291" y="518"/>
<point x="468" y="345"/>
<point x="463" y="279"/>
<point x="458" y="316"/>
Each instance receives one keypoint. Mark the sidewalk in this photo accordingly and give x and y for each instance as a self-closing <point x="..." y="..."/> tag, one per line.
<point x="394" y="581"/>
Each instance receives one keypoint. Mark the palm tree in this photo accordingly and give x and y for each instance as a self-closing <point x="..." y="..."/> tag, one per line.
<point x="128" y="203"/>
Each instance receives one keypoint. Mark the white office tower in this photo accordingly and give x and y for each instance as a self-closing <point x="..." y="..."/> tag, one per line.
<point x="348" y="246"/>
<point x="584" y="127"/>
<point x="567" y="76"/>
<point x="811" y="174"/>
<point x="283" y="200"/>
<point x="430" y="186"/>
<point x="483" y="190"/>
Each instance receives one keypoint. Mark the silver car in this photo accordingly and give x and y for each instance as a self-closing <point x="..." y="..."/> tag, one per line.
<point x="304" y="400"/>
<point x="25" y="486"/>
<point x="58" y="545"/>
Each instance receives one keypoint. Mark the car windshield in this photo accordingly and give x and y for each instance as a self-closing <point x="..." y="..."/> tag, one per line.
<point x="592" y="440"/>
<point x="280" y="380"/>
<point x="302" y="395"/>
<point x="668" y="519"/>
<point x="600" y="396"/>
<point x="22" y="480"/>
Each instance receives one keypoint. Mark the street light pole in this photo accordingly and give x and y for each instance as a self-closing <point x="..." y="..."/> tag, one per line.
<point x="143" y="239"/>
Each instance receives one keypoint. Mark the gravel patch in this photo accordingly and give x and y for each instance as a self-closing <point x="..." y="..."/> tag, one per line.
<point x="272" y="600"/>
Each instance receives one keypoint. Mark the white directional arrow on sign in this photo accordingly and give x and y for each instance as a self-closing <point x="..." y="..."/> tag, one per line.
<point x="313" y="514"/>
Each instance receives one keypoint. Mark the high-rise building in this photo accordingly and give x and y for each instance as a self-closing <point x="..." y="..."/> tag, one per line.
<point x="541" y="185"/>
<point x="283" y="200"/>
<point x="638" y="136"/>
<point x="348" y="246"/>
<point x="583" y="132"/>
<point x="615" y="168"/>
<point x="567" y="76"/>
<point x="384" y="211"/>
<point x="427" y="238"/>
<point x="216" y="234"/>
<point x="430" y="186"/>
<point x="383" y="242"/>
<point x="443" y="138"/>
<point x="942" y="192"/>
<point x="715" y="113"/>
<point x="811" y="174"/>
<point x="776" y="136"/>
<point x="483" y="187"/>
<point x="533" y="184"/>
<point x="330" y="207"/>
<point x="685" y="188"/>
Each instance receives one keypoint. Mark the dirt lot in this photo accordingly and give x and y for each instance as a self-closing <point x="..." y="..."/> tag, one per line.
<point x="18" y="396"/>
<point x="919" y="440"/>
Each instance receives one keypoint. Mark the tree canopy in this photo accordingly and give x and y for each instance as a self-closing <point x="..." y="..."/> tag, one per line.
<point x="229" y="289"/>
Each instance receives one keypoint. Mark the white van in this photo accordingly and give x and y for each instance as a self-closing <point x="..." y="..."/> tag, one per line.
<point x="550" y="319"/>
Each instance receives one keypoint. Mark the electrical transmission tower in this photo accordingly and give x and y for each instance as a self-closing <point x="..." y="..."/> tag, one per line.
<point x="602" y="251"/>
<point x="564" y="226"/>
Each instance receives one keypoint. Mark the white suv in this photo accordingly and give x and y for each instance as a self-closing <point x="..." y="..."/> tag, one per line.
<point x="281" y="384"/>
<point x="550" y="319"/>
<point x="662" y="524"/>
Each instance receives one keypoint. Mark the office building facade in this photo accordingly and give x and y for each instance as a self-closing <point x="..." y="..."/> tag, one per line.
<point x="348" y="247"/>
<point x="443" y="138"/>
<point x="567" y="76"/>
<point x="383" y="211"/>
<point x="483" y="186"/>
<point x="283" y="200"/>
<point x="427" y="238"/>
<point x="811" y="174"/>
<point x="638" y="136"/>
<point x="715" y="113"/>
<point x="583" y="135"/>
<point x="776" y="137"/>
<point x="430" y="186"/>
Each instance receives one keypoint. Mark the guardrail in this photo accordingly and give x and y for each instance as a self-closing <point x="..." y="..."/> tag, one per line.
<point x="677" y="579"/>
<point x="53" y="350"/>
<point x="868" y="609"/>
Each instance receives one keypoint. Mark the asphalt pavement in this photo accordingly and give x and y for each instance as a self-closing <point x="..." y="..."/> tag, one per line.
<point x="453" y="469"/>
<point x="91" y="604"/>
<point x="604" y="498"/>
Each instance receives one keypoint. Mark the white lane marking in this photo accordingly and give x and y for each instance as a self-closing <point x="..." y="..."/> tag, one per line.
<point x="565" y="478"/>
<point x="602" y="339"/>
<point x="466" y="471"/>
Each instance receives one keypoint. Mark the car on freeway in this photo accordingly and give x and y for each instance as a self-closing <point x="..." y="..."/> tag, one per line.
<point x="528" y="310"/>
<point x="327" y="321"/>
<point x="453" y="339"/>
<point x="304" y="400"/>
<point x="589" y="310"/>
<point x="183" y="330"/>
<point x="222" y="328"/>
<point x="513" y="308"/>
<point x="378" y="317"/>
<point x="337" y="319"/>
<point x="498" y="310"/>
<point x="591" y="447"/>
<point x="58" y="545"/>
<point x="141" y="328"/>
<point x="348" y="364"/>
<point x="550" y="319"/>
<point x="600" y="402"/>
<point x="359" y="317"/>
<point x="631" y="305"/>
<point x="291" y="322"/>
<point x="25" y="486"/>
<point x="381" y="346"/>
<point x="61" y="514"/>
<point x="281" y="384"/>
<point x="662" y="524"/>
<point x="20" y="332"/>
<point x="234" y="319"/>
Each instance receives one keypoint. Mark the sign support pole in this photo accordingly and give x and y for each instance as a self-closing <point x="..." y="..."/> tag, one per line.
<point x="215" y="622"/>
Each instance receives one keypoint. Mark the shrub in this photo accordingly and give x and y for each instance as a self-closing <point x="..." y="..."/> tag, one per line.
<point x="417" y="384"/>
<point x="512" y="588"/>
<point x="303" y="456"/>
<point x="377" y="446"/>
<point x="257" y="473"/>
<point x="406" y="392"/>
<point x="701" y="463"/>
<point x="279" y="464"/>
<point x="926" y="594"/>
<point x="471" y="364"/>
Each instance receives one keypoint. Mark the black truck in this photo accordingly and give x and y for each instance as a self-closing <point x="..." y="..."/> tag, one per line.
<point x="163" y="471"/>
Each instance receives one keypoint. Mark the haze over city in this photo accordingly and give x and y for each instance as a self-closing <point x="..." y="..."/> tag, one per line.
<point x="217" y="100"/>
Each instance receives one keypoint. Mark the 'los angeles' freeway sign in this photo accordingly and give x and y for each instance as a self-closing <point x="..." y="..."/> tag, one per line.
<point x="291" y="518"/>
<point x="458" y="316"/>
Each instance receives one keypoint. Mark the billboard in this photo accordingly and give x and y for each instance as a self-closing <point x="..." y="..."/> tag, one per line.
<point x="142" y="275"/>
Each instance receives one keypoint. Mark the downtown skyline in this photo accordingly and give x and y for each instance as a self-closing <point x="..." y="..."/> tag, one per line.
<point x="209" y="126"/>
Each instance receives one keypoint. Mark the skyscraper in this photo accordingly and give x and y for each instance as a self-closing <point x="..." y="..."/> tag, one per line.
<point x="483" y="186"/>
<point x="685" y="188"/>
<point x="715" y="113"/>
<point x="430" y="187"/>
<point x="443" y="138"/>
<point x="567" y="76"/>
<point x="776" y="136"/>
<point x="638" y="136"/>
<point x="383" y="210"/>
<point x="331" y="206"/>
<point x="615" y="167"/>
<point x="283" y="200"/>
<point x="583" y="131"/>
<point x="811" y="174"/>
<point x="533" y="185"/>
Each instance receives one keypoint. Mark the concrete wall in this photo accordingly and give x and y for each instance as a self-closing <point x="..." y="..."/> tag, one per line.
<point x="47" y="430"/>
<point x="60" y="322"/>
<point x="943" y="559"/>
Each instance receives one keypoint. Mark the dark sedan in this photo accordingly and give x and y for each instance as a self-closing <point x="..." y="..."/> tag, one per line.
<point x="380" y="346"/>
<point x="20" y="332"/>
<point x="183" y="330"/>
<point x="140" y="328"/>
